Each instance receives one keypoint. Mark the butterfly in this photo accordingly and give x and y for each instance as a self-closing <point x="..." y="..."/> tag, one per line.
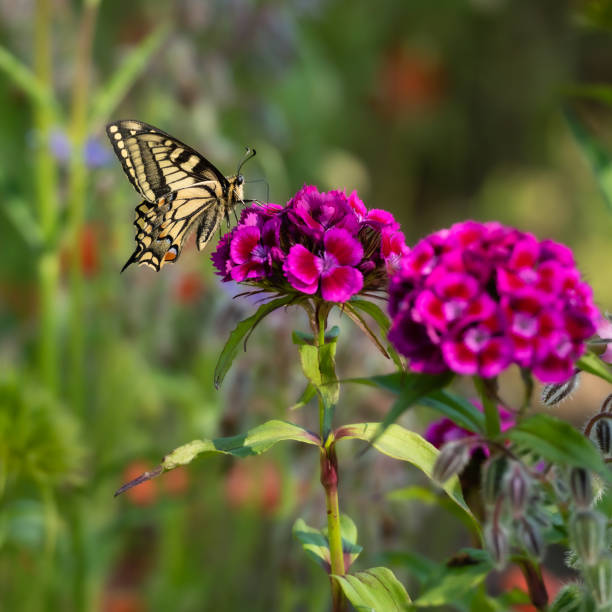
<point x="182" y="190"/>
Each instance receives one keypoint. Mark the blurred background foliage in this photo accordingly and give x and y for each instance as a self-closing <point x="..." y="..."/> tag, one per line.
<point x="489" y="109"/>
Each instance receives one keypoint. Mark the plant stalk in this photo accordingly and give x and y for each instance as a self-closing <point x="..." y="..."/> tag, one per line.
<point x="47" y="206"/>
<point x="77" y="194"/>
<point x="329" y="480"/>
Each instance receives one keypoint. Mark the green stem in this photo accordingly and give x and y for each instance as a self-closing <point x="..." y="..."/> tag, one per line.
<point x="47" y="206"/>
<point x="77" y="194"/>
<point x="329" y="480"/>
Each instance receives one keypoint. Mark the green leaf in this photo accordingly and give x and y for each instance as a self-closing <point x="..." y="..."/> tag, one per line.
<point x="375" y="589"/>
<point x="24" y="221"/>
<point x="404" y="445"/>
<point x="109" y="96"/>
<point x="27" y="80"/>
<point x="374" y="311"/>
<point x="597" y="156"/>
<point x="389" y="382"/>
<point x="557" y="441"/>
<point x="254" y="442"/>
<point x="460" y="410"/>
<point x="309" y="392"/>
<point x="316" y="544"/>
<point x="230" y="350"/>
<point x="457" y="579"/>
<point x="592" y="364"/>
<point x="414" y="388"/>
<point x="351" y="312"/>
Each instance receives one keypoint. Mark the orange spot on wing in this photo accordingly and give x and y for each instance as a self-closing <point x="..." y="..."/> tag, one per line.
<point x="170" y="256"/>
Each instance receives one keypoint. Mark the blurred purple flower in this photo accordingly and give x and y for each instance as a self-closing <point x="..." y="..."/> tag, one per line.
<point x="444" y="430"/>
<point x="96" y="154"/>
<point x="60" y="146"/>
<point x="604" y="331"/>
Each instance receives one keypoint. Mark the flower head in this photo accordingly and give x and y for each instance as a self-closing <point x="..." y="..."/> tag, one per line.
<point x="326" y="245"/>
<point x="478" y="297"/>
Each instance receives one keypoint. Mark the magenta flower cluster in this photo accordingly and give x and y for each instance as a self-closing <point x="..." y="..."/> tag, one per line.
<point x="478" y="297"/>
<point x="324" y="244"/>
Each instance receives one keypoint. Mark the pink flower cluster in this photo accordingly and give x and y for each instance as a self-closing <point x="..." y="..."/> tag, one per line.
<point x="325" y="244"/>
<point x="478" y="297"/>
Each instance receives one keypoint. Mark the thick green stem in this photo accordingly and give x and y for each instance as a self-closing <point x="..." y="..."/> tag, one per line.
<point x="47" y="208"/>
<point x="77" y="194"/>
<point x="329" y="480"/>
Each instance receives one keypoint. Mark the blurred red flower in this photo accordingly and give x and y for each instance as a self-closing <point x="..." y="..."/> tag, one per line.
<point x="254" y="484"/>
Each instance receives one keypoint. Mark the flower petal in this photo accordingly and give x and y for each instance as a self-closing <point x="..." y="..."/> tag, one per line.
<point x="341" y="283"/>
<point x="346" y="249"/>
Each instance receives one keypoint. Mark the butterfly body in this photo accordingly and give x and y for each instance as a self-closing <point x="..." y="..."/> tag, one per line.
<point x="182" y="191"/>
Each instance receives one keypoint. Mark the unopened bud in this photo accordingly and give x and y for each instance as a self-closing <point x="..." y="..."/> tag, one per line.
<point x="559" y="482"/>
<point x="606" y="405"/>
<point x="496" y="539"/>
<point x="599" y="578"/>
<point x="587" y="532"/>
<point x="452" y="459"/>
<point x="580" y="488"/>
<point x="555" y="393"/>
<point x="517" y="489"/>
<point x="493" y="473"/>
<point x="602" y="435"/>
<point x="569" y="599"/>
<point x="530" y="537"/>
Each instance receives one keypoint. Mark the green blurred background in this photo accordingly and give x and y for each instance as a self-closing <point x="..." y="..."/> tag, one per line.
<point x="438" y="111"/>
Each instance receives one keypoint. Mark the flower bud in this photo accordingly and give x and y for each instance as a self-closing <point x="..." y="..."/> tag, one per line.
<point x="580" y="488"/>
<point x="555" y="393"/>
<point x="606" y="405"/>
<point x="587" y="533"/>
<point x="569" y="599"/>
<point x="493" y="473"/>
<point x="531" y="539"/>
<point x="496" y="539"/>
<point x="599" y="578"/>
<point x="452" y="459"/>
<point x="516" y="486"/>
<point x="602" y="434"/>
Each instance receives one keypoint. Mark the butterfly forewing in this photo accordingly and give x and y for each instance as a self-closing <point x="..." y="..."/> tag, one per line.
<point x="181" y="189"/>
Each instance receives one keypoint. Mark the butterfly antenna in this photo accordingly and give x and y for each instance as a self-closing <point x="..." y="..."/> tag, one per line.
<point x="250" y="153"/>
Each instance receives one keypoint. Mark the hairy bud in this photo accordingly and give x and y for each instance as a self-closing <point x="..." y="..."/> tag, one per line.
<point x="493" y="473"/>
<point x="452" y="459"/>
<point x="581" y="488"/>
<point x="587" y="533"/>
<point x="531" y="539"/>
<point x="516" y="486"/>
<point x="569" y="599"/>
<point x="602" y="435"/>
<point x="496" y="539"/>
<point x="599" y="578"/>
<point x="555" y="393"/>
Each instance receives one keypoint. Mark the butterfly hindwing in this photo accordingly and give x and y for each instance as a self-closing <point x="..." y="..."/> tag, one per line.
<point x="180" y="188"/>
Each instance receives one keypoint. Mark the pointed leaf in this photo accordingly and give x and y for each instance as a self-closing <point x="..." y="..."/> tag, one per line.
<point x="254" y="442"/>
<point x="592" y="364"/>
<point x="374" y="311"/>
<point x="597" y="156"/>
<point x="230" y="350"/>
<point x="375" y="589"/>
<point x="309" y="392"/>
<point x="404" y="445"/>
<point x="557" y="441"/>
<point x="458" y="409"/>
<point x="316" y="544"/>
